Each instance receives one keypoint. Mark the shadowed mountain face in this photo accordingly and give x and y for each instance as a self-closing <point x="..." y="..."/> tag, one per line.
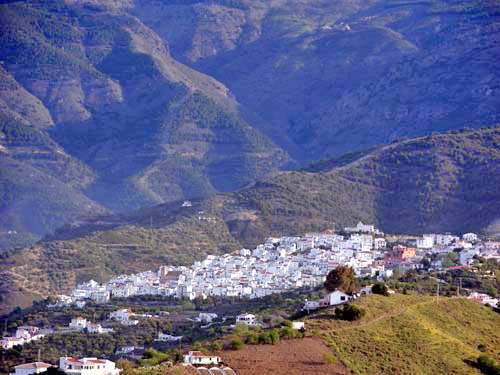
<point x="114" y="105"/>
<point x="101" y="91"/>
<point x="333" y="77"/>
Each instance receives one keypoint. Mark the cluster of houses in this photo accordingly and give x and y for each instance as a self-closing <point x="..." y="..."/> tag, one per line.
<point x="122" y="316"/>
<point x="286" y="263"/>
<point x="23" y="335"/>
<point x="82" y="324"/>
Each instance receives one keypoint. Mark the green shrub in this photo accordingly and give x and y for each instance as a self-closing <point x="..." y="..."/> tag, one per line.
<point x="237" y="343"/>
<point x="287" y="332"/>
<point x="349" y="312"/>
<point x="275" y="336"/>
<point x="217" y="345"/>
<point x="265" y="338"/>
<point x="252" y="338"/>
<point x="380" y="288"/>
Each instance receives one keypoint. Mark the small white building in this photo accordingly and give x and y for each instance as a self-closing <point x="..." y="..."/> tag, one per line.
<point x="123" y="316"/>
<point x="78" y="323"/>
<point x="426" y="242"/>
<point x="362" y="228"/>
<point x="10" y="342"/>
<point x="366" y="290"/>
<point x="298" y="325"/>
<point x="247" y="319"/>
<point x="206" y="317"/>
<point x="31" y="368"/>
<point x="470" y="237"/>
<point x="94" y="328"/>
<point x="198" y="358"/>
<point x="168" y="338"/>
<point x="335" y="298"/>
<point x="87" y="366"/>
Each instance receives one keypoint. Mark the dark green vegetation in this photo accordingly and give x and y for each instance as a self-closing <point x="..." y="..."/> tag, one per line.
<point x="445" y="182"/>
<point x="342" y="278"/>
<point x="140" y="102"/>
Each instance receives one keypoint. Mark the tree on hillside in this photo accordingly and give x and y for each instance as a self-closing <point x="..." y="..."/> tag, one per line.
<point x="380" y="288"/>
<point x="342" y="278"/>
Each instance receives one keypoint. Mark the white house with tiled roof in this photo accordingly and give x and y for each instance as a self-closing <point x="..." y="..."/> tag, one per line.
<point x="87" y="366"/>
<point x="31" y="368"/>
<point x="198" y="358"/>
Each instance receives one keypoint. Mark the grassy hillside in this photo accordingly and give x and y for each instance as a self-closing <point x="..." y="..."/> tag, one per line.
<point x="413" y="335"/>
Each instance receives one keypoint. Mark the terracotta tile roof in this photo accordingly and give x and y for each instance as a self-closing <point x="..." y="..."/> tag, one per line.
<point x="34" y="365"/>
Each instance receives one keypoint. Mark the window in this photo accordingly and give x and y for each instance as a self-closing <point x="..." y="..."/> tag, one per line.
<point x="342" y="298"/>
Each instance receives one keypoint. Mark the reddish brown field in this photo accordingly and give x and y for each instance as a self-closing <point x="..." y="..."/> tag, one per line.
<point x="290" y="357"/>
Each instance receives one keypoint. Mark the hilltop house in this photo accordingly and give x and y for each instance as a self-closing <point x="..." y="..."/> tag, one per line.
<point x="10" y="342"/>
<point x="361" y="228"/>
<point x="206" y="318"/>
<point x="311" y="305"/>
<point x="198" y="358"/>
<point x="335" y="298"/>
<point x="31" y="368"/>
<point x="248" y="319"/>
<point x="87" y="366"/>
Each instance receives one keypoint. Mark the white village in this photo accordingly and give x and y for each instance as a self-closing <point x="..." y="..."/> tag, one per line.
<point x="286" y="263"/>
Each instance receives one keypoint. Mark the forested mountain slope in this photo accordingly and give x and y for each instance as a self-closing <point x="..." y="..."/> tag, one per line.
<point x="331" y="77"/>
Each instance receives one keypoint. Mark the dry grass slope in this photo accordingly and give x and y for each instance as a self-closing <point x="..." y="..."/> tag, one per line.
<point x="413" y="335"/>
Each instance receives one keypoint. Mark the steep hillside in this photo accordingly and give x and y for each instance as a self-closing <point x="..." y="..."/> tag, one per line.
<point x="412" y="335"/>
<point x="444" y="182"/>
<point x="40" y="185"/>
<point x="327" y="77"/>
<point x="103" y="89"/>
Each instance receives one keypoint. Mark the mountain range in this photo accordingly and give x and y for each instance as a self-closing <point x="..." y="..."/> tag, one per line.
<point x="110" y="106"/>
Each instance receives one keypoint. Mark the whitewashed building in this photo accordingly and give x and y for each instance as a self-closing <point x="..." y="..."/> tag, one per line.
<point x="87" y="366"/>
<point x="198" y="358"/>
<point x="31" y="368"/>
<point x="247" y="319"/>
<point x="335" y="298"/>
